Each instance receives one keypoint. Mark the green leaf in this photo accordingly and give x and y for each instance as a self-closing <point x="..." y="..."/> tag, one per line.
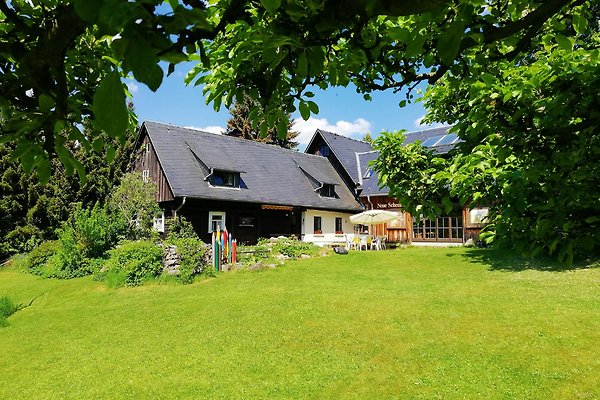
<point x="415" y="45"/>
<point x="88" y="10"/>
<point x="282" y="128"/>
<point x="46" y="103"/>
<point x="448" y="44"/>
<point x="109" y="107"/>
<point x="579" y="23"/>
<point x="141" y="59"/>
<point x="302" y="68"/>
<point x="313" y="107"/>
<point x="271" y="5"/>
<point x="304" y="110"/>
<point x="564" y="42"/>
<point x="44" y="169"/>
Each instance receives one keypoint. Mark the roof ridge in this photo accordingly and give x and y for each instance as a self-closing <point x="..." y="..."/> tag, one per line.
<point x="345" y="137"/>
<point x="246" y="141"/>
<point x="428" y="129"/>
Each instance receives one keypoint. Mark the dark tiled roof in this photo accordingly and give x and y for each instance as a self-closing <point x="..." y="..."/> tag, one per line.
<point x="345" y="149"/>
<point x="425" y="134"/>
<point x="270" y="174"/>
<point x="369" y="178"/>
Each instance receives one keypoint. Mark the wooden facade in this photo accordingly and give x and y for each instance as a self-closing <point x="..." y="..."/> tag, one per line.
<point x="455" y="227"/>
<point x="146" y="162"/>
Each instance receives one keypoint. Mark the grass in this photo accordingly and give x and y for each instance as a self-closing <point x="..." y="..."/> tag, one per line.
<point x="411" y="323"/>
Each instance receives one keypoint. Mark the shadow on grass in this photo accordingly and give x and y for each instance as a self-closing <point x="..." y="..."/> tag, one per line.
<point x="506" y="260"/>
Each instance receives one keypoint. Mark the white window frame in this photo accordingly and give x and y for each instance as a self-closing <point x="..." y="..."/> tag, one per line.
<point x="158" y="223"/>
<point x="146" y="175"/>
<point x="212" y="214"/>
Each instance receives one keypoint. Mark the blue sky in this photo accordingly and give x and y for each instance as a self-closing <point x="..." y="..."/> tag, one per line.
<point x="342" y="110"/>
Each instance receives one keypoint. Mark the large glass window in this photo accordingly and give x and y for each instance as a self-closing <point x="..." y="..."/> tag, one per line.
<point x="444" y="229"/>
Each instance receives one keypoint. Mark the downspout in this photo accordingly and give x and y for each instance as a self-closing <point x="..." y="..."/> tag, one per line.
<point x="369" y="200"/>
<point x="179" y="208"/>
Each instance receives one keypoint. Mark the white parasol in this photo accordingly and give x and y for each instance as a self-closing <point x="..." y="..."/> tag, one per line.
<point x="373" y="217"/>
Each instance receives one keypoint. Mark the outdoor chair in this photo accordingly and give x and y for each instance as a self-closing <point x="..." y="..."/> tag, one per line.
<point x="364" y="242"/>
<point x="383" y="242"/>
<point x="350" y="244"/>
<point x="376" y="243"/>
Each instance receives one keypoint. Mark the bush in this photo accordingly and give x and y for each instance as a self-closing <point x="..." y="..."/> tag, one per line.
<point x="132" y="262"/>
<point x="7" y="308"/>
<point x="179" y="228"/>
<point x="192" y="252"/>
<point x="95" y="230"/>
<point x="293" y="248"/>
<point x="38" y="257"/>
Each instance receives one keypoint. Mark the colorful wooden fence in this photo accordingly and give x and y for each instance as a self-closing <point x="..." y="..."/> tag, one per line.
<point x="224" y="249"/>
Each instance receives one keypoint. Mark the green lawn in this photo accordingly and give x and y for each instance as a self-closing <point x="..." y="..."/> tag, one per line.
<point x="411" y="323"/>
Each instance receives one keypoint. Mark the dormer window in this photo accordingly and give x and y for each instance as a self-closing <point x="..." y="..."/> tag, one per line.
<point x="225" y="178"/>
<point x="327" y="190"/>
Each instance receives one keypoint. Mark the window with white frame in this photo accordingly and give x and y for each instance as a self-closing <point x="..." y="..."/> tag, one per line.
<point x="159" y="223"/>
<point x="146" y="175"/>
<point x="216" y="220"/>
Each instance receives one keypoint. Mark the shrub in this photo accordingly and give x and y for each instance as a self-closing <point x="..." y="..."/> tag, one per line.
<point x="38" y="257"/>
<point x="23" y="238"/>
<point x="293" y="248"/>
<point x="7" y="308"/>
<point x="193" y="258"/>
<point x="132" y="262"/>
<point x="95" y="230"/>
<point x="180" y="227"/>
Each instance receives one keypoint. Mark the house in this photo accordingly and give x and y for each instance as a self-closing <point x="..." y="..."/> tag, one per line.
<point x="253" y="189"/>
<point x="352" y="158"/>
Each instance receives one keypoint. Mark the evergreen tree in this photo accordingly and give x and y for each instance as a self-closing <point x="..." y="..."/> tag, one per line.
<point x="240" y="124"/>
<point x="31" y="211"/>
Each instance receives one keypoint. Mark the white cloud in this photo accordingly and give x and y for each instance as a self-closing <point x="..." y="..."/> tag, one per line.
<point x="133" y="88"/>
<point x="210" y="128"/>
<point x="307" y="128"/>
<point x="419" y="123"/>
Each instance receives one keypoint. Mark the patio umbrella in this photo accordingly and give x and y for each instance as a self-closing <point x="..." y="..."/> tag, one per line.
<point x="373" y="217"/>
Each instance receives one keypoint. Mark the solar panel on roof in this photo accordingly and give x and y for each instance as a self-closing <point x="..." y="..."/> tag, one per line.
<point x="431" y="141"/>
<point x="446" y="139"/>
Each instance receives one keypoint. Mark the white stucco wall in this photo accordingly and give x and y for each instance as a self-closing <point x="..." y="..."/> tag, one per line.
<point x="328" y="235"/>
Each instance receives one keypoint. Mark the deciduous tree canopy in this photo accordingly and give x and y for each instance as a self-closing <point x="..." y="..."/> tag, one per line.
<point x="61" y="60"/>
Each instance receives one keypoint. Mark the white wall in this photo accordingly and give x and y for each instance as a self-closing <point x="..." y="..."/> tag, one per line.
<point x="328" y="235"/>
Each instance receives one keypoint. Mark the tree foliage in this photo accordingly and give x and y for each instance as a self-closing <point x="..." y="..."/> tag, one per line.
<point x="241" y="123"/>
<point x="61" y="60"/>
<point x="532" y="143"/>
<point x="31" y="211"/>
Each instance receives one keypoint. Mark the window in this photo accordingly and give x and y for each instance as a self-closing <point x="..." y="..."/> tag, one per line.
<point x="324" y="151"/>
<point x="146" y="175"/>
<point x="224" y="178"/>
<point x="444" y="229"/>
<point x="327" y="190"/>
<point x="338" y="225"/>
<point x="147" y="147"/>
<point x="317" y="225"/>
<point x="159" y="223"/>
<point x="246" y="221"/>
<point x="216" y="221"/>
